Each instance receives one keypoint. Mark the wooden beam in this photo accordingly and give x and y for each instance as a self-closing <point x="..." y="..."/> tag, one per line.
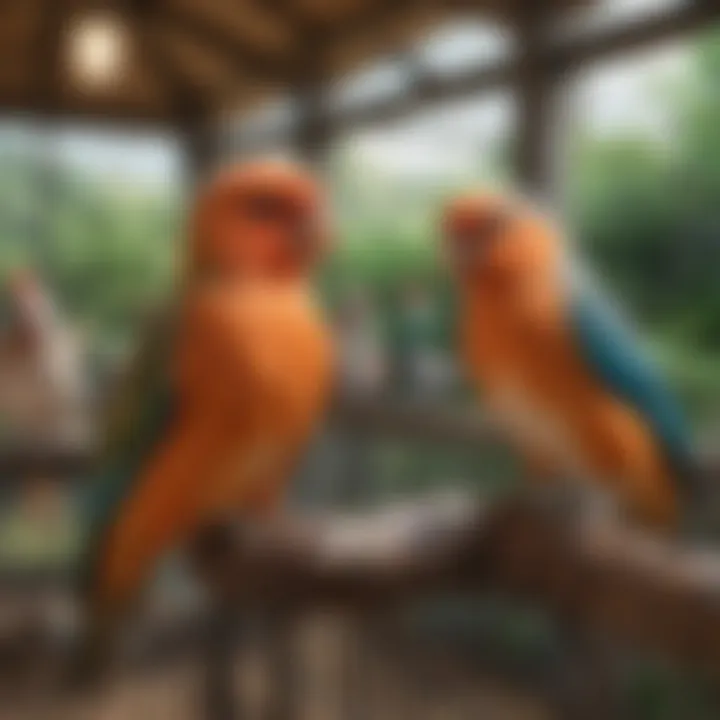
<point x="566" y="56"/>
<point x="312" y="128"/>
<point x="295" y="19"/>
<point x="200" y="142"/>
<point x="110" y="115"/>
<point x="186" y="100"/>
<point x="561" y="58"/>
<point x="535" y="101"/>
<point x="309" y="61"/>
<point x="426" y="91"/>
<point x="376" y="15"/>
<point x="241" y="55"/>
<point x="691" y="16"/>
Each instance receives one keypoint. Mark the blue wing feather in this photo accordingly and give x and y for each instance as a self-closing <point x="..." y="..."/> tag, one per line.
<point x="612" y="353"/>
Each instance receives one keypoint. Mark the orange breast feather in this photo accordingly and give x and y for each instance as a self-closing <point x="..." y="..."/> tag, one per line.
<point x="253" y="372"/>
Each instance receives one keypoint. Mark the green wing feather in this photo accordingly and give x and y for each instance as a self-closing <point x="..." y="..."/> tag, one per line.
<point x="138" y="418"/>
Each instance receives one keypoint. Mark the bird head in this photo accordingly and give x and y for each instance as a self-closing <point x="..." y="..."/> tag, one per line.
<point x="491" y="237"/>
<point x="264" y="219"/>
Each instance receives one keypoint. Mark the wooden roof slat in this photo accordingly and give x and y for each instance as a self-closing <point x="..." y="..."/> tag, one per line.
<point x="244" y="55"/>
<point x="213" y="51"/>
<point x="97" y="110"/>
<point x="561" y="58"/>
<point x="247" y="19"/>
<point x="183" y="97"/>
<point x="293" y="16"/>
<point x="206" y="71"/>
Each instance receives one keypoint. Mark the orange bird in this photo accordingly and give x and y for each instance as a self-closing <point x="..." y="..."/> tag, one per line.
<point x="567" y="384"/>
<point x="220" y="405"/>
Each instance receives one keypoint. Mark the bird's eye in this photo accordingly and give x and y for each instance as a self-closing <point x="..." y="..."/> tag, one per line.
<point x="482" y="229"/>
<point x="493" y="225"/>
<point x="264" y="208"/>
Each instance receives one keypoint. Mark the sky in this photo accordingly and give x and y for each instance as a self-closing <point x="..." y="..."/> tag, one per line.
<point x="448" y="140"/>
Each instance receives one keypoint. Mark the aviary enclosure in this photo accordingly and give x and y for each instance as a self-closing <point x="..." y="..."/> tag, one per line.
<point x="357" y="606"/>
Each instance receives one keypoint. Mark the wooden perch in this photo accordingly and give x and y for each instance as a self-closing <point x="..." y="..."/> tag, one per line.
<point x="415" y="422"/>
<point x="642" y="591"/>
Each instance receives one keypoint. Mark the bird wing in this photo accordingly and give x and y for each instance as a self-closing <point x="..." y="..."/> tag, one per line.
<point x="609" y="350"/>
<point x="139" y="416"/>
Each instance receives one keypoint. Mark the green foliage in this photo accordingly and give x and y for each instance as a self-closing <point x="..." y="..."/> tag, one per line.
<point x="107" y="251"/>
<point x="648" y="213"/>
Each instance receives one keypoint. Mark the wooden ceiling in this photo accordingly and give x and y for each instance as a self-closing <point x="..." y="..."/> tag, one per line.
<point x="190" y="58"/>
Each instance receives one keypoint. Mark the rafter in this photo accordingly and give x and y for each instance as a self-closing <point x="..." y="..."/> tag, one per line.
<point x="287" y="69"/>
<point x="688" y="17"/>
<point x="291" y="15"/>
<point x="186" y="100"/>
<point x="429" y="89"/>
<point x="564" y="57"/>
<point x="110" y="114"/>
<point x="370" y="18"/>
<point x="241" y="55"/>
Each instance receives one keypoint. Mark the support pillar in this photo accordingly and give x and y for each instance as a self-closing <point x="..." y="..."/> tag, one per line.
<point x="537" y="152"/>
<point x="201" y="149"/>
<point x="313" y="131"/>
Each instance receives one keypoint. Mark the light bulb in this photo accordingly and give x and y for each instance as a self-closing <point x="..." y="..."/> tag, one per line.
<point x="98" y="48"/>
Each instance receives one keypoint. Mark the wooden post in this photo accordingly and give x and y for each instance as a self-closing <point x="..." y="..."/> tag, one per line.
<point x="218" y="665"/>
<point x="312" y="131"/>
<point x="281" y="629"/>
<point x="201" y="149"/>
<point x="535" y="158"/>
